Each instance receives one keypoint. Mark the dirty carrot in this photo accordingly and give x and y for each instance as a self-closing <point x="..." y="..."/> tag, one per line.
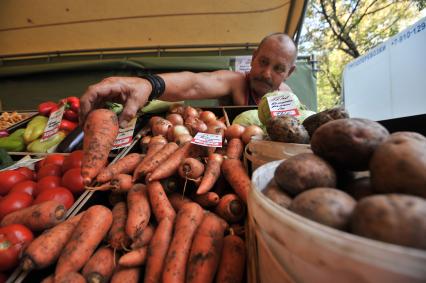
<point x="37" y="217"/>
<point x="188" y="219"/>
<point x="236" y="175"/>
<point x="234" y="149"/>
<point x="177" y="200"/>
<point x="139" y="211"/>
<point x="100" y="132"/>
<point x="90" y="231"/>
<point x="117" y="236"/>
<point x="160" y="204"/>
<point x="128" y="275"/>
<point x="100" y="266"/>
<point x="125" y="165"/>
<point x="143" y="238"/>
<point x="211" y="173"/>
<point x="206" y="249"/>
<point x="231" y="208"/>
<point x="46" y="248"/>
<point x="155" y="144"/>
<point x="157" y="250"/>
<point x="191" y="168"/>
<point x="149" y="163"/>
<point x="134" y="258"/>
<point x="232" y="261"/>
<point x="121" y="183"/>
<point x="209" y="199"/>
<point x="70" y="277"/>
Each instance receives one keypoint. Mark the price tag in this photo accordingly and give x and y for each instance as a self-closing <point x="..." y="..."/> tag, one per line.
<point x="242" y="64"/>
<point x="125" y="135"/>
<point x="281" y="105"/>
<point x="53" y="123"/>
<point x="210" y="140"/>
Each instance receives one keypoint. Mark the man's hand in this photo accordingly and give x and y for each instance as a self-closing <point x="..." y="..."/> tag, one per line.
<point x="133" y="92"/>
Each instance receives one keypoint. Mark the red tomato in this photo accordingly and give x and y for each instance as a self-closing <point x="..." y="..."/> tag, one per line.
<point x="13" y="202"/>
<point x="31" y="175"/>
<point x="49" y="170"/>
<point x="73" y="180"/>
<point x="73" y="160"/>
<point x="47" y="182"/>
<point x="9" y="178"/>
<point x="60" y="194"/>
<point x="14" y="239"/>
<point x="57" y="159"/>
<point x="28" y="187"/>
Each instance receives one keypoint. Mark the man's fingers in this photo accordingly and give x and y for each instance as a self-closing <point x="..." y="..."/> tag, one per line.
<point x="129" y="112"/>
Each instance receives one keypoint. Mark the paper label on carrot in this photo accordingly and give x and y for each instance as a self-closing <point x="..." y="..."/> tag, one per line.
<point x="210" y="140"/>
<point x="281" y="105"/>
<point x="53" y="123"/>
<point x="125" y="135"/>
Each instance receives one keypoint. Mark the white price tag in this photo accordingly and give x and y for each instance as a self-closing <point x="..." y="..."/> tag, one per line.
<point x="53" y="123"/>
<point x="281" y="105"/>
<point x="242" y="63"/>
<point x="210" y="140"/>
<point x="125" y="135"/>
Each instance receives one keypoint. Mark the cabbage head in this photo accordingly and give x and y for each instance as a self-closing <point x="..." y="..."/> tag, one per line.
<point x="248" y="118"/>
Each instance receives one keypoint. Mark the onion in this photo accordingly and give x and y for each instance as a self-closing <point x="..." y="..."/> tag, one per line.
<point x="217" y="123"/>
<point x="177" y="108"/>
<point x="207" y="116"/>
<point x="190" y="112"/>
<point x="179" y="130"/>
<point x="234" y="132"/>
<point x="252" y="131"/>
<point x="195" y="125"/>
<point x="182" y="139"/>
<point x="153" y="120"/>
<point x="175" y="119"/>
<point x="158" y="139"/>
<point x="161" y="127"/>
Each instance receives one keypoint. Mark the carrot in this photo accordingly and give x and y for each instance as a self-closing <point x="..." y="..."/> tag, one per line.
<point x="155" y="144"/>
<point x="127" y="275"/>
<point x="49" y="279"/>
<point x="209" y="199"/>
<point x="171" y="164"/>
<point x="144" y="238"/>
<point x="235" y="174"/>
<point x="100" y="132"/>
<point x="144" y="143"/>
<point x="134" y="258"/>
<point x="38" y="216"/>
<point x="90" y="231"/>
<point x="232" y="261"/>
<point x="157" y="250"/>
<point x="125" y="165"/>
<point x="188" y="219"/>
<point x="46" y="248"/>
<point x="149" y="163"/>
<point x="178" y="200"/>
<point x="160" y="204"/>
<point x="191" y="168"/>
<point x="120" y="183"/>
<point x="234" y="149"/>
<point x="139" y="211"/>
<point x="206" y="249"/>
<point x="211" y="174"/>
<point x="231" y="208"/>
<point x="100" y="266"/>
<point x="70" y="277"/>
<point x="117" y="237"/>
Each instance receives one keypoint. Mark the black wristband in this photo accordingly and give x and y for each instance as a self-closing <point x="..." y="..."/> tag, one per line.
<point x="157" y="83"/>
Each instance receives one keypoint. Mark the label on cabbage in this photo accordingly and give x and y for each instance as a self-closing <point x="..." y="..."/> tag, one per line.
<point x="280" y="105"/>
<point x="125" y="135"/>
<point x="53" y="124"/>
<point x="210" y="140"/>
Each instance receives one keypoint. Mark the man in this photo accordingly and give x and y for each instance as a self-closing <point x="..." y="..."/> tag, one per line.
<point x="272" y="63"/>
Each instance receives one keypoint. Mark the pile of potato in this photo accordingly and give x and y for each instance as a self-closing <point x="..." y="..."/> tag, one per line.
<point x="359" y="179"/>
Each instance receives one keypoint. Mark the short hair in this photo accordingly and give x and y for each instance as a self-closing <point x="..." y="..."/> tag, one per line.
<point x="283" y="38"/>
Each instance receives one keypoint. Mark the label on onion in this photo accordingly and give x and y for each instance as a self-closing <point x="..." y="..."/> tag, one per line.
<point x="210" y="140"/>
<point x="125" y="135"/>
<point x="280" y="105"/>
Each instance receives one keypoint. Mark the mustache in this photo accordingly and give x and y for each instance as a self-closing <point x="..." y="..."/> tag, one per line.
<point x="263" y="80"/>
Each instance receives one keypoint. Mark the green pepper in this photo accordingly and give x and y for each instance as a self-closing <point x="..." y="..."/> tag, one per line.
<point x="35" y="128"/>
<point x="14" y="142"/>
<point x="44" y="146"/>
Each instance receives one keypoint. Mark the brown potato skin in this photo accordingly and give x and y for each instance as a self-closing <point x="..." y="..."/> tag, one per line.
<point x="313" y="122"/>
<point x="348" y="143"/>
<point x="393" y="218"/>
<point x="287" y="129"/>
<point x="327" y="206"/>
<point x="302" y="172"/>
<point x="399" y="165"/>
<point x="273" y="192"/>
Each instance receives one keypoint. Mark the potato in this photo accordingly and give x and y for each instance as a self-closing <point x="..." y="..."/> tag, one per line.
<point x="392" y="218"/>
<point x="359" y="188"/>
<point x="327" y="206"/>
<point x="348" y="143"/>
<point x="273" y="192"/>
<point x="287" y="129"/>
<point x="313" y="122"/>
<point x="399" y="165"/>
<point x="302" y="172"/>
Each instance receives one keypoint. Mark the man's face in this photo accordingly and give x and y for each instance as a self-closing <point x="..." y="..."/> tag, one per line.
<point x="271" y="65"/>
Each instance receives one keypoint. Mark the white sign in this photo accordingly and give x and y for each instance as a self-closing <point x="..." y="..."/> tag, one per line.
<point x="243" y="64"/>
<point x="53" y="123"/>
<point x="125" y="135"/>
<point x="281" y="105"/>
<point x="210" y="140"/>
